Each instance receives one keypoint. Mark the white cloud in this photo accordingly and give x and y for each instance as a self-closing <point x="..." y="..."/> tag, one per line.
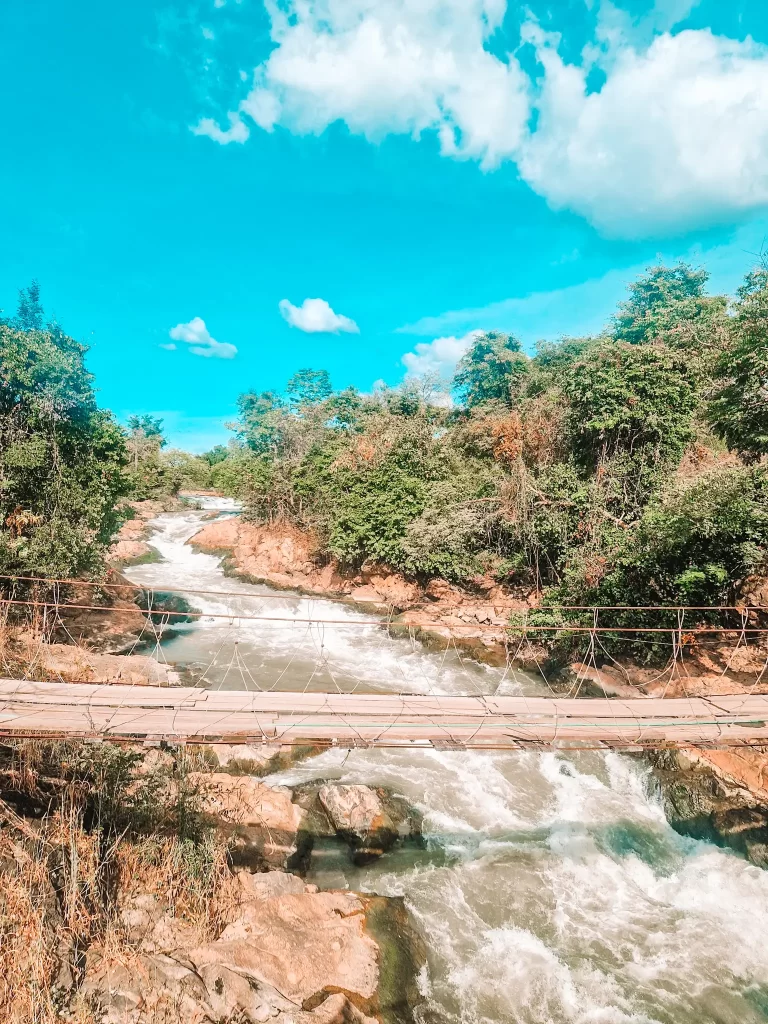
<point x="208" y="33"/>
<point x="170" y="347"/>
<point x="575" y="310"/>
<point x="196" y="334"/>
<point x="392" y="66"/>
<point x="238" y="131"/>
<point x="439" y="357"/>
<point x="315" y="316"/>
<point x="676" y="138"/>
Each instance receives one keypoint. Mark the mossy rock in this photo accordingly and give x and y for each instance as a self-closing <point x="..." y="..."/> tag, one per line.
<point x="402" y="955"/>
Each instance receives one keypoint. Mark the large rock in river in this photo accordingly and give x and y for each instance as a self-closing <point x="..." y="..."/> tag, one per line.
<point x="369" y="820"/>
<point x="266" y="827"/>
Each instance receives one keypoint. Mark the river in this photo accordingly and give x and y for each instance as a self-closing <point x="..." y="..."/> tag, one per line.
<point x="551" y="888"/>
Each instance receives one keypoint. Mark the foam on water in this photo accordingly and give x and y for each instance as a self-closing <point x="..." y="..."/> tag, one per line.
<point x="551" y="888"/>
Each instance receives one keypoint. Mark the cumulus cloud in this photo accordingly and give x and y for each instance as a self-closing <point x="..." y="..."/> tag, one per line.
<point x="238" y="131"/>
<point x="438" y="358"/>
<point x="391" y="66"/>
<point x="196" y="334"/>
<point x="315" y="316"/>
<point x="676" y="137"/>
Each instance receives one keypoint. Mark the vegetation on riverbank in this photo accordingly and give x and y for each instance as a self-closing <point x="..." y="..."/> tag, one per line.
<point x="620" y="469"/>
<point x="626" y="468"/>
<point x="83" y="827"/>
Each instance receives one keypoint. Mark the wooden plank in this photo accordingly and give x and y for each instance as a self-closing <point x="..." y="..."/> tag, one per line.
<point x="379" y="719"/>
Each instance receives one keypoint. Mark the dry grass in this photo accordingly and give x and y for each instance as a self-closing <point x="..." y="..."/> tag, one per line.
<point x="64" y="881"/>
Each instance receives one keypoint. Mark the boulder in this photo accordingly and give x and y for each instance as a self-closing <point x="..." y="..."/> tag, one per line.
<point x="369" y="820"/>
<point x="707" y="800"/>
<point x="73" y="664"/>
<point x="267" y="829"/>
<point x="288" y="954"/>
<point x="257" y="759"/>
<point x="302" y="945"/>
<point x="156" y="988"/>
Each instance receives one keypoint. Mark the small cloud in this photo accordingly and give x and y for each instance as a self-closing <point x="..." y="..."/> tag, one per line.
<point x="170" y="347"/>
<point x="315" y="316"/>
<point x="438" y="357"/>
<point x="196" y="334"/>
<point x="238" y="131"/>
<point x="219" y="3"/>
<point x="208" y="32"/>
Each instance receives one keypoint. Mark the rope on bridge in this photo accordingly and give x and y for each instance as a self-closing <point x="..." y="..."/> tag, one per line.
<point x="49" y="617"/>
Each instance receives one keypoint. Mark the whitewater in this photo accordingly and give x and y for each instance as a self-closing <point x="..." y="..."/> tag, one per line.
<point x="551" y="888"/>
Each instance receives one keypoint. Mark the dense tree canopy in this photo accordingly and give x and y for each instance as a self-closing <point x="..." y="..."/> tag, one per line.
<point x="491" y="370"/>
<point x="739" y="406"/>
<point x="61" y="458"/>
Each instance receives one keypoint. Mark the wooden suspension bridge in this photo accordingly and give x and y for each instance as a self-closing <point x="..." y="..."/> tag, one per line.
<point x="192" y="715"/>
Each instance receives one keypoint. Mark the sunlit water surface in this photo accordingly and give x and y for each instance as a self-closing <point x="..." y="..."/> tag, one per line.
<point x="551" y="888"/>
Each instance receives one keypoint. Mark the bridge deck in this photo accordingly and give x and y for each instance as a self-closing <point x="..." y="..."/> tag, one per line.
<point x="187" y="714"/>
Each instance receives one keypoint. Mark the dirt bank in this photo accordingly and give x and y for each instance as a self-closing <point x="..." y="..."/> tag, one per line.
<point x="285" y="558"/>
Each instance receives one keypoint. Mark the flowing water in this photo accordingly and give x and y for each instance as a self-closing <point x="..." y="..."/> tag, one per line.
<point x="551" y="888"/>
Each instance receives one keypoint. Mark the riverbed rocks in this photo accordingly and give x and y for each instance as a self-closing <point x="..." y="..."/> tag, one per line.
<point x="717" y="795"/>
<point x="287" y="953"/>
<point x="78" y="664"/>
<point x="276" y="827"/>
<point x="369" y="821"/>
<point x="266" y="828"/>
<point x="129" y="546"/>
<point x="256" y="759"/>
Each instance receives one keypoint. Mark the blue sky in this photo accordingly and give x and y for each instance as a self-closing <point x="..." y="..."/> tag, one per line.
<point x="182" y="178"/>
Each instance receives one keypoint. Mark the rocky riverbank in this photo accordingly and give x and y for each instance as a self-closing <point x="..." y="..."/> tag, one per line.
<point x="284" y="557"/>
<point x="130" y="546"/>
<point x="717" y="795"/>
<point x="218" y="926"/>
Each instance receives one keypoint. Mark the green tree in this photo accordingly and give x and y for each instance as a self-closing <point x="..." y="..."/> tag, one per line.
<point x="259" y="426"/>
<point x="659" y="299"/>
<point x="29" y="314"/>
<point x="491" y="370"/>
<point x="309" y="387"/>
<point x="738" y="409"/>
<point x="61" y="458"/>
<point x="149" y="426"/>
<point x="630" y="400"/>
<point x="217" y="454"/>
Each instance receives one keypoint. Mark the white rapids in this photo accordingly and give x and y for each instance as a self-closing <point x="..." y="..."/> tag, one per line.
<point x="551" y="889"/>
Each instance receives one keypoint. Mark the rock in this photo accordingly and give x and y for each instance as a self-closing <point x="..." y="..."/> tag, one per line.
<point x="257" y="759"/>
<point x="701" y="800"/>
<point x="266" y="827"/>
<point x="130" y="552"/>
<point x="129" y="546"/>
<point x="301" y="955"/>
<point x="73" y="664"/>
<point x="302" y="945"/>
<point x="369" y="820"/>
<point x="267" y="884"/>
<point x="160" y="988"/>
<point x="244" y="759"/>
